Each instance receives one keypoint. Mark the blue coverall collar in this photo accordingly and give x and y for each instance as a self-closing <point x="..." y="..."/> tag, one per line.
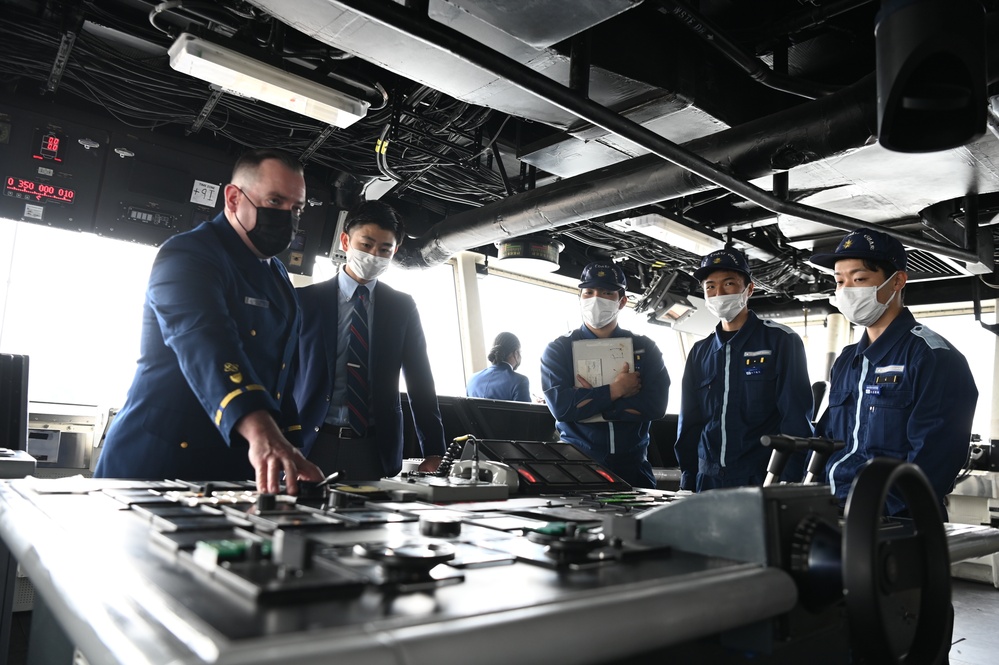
<point x="886" y="341"/>
<point x="617" y="332"/>
<point x="740" y="336"/>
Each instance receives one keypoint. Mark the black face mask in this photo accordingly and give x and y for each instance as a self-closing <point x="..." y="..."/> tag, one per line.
<point x="274" y="230"/>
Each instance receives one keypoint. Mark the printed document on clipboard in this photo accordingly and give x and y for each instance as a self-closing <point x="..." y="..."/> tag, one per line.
<point x="599" y="361"/>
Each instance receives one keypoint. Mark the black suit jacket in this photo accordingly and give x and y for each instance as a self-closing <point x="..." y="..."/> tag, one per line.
<point x="397" y="344"/>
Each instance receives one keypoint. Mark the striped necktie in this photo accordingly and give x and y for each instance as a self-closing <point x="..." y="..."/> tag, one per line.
<point x="357" y="364"/>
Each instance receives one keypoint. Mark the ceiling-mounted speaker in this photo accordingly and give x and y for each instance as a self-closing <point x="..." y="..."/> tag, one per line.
<point x="529" y="254"/>
<point x="931" y="74"/>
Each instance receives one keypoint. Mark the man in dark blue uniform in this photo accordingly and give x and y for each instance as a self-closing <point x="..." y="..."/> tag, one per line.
<point x="902" y="391"/>
<point x="610" y="423"/>
<point x="748" y="379"/>
<point x="212" y="398"/>
<point x="500" y="380"/>
<point x="364" y="438"/>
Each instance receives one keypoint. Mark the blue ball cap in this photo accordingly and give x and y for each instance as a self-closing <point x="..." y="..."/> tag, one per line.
<point x="603" y="275"/>
<point x="723" y="259"/>
<point x="864" y="244"/>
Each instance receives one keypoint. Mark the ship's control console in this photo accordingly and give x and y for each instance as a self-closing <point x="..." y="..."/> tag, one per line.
<point x="377" y="573"/>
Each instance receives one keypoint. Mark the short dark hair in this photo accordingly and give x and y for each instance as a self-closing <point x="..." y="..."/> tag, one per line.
<point x="886" y="267"/>
<point x="875" y="265"/>
<point x="504" y="344"/>
<point x="378" y="213"/>
<point x="746" y="279"/>
<point x="251" y="161"/>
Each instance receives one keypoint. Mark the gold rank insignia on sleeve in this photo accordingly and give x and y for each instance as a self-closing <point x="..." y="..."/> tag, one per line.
<point x="232" y="369"/>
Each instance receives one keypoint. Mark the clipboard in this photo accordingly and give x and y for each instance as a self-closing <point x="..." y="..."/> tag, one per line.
<point x="599" y="361"/>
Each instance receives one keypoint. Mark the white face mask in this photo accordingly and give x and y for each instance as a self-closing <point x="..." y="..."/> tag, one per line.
<point x="598" y="312"/>
<point x="727" y="307"/>
<point x="860" y="304"/>
<point x="366" y="266"/>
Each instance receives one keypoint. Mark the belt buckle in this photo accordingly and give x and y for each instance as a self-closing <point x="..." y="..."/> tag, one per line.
<point x="346" y="433"/>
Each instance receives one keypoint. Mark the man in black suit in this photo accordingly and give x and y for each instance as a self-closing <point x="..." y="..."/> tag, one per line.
<point x="357" y="334"/>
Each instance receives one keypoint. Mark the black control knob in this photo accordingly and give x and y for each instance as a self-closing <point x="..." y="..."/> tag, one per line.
<point x="568" y="542"/>
<point x="266" y="502"/>
<point x="407" y="562"/>
<point x="440" y="526"/>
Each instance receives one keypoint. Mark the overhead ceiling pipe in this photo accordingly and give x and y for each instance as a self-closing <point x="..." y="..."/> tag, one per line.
<point x="805" y="133"/>
<point x="441" y="38"/>
<point x="750" y="64"/>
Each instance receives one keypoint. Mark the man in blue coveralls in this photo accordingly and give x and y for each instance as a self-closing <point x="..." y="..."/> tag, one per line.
<point x="902" y="391"/>
<point x="748" y="379"/>
<point x="610" y="423"/>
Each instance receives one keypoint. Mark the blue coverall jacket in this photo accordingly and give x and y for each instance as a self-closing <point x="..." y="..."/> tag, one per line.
<point x="735" y="392"/>
<point x="621" y="444"/>
<point x="499" y="381"/>
<point x="909" y="395"/>
<point x="219" y="328"/>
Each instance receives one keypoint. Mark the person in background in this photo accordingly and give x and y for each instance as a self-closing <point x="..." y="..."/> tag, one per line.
<point x="211" y="398"/>
<point x="358" y="334"/>
<point x="748" y="379"/>
<point x="500" y="380"/>
<point x="610" y="423"/>
<point x="902" y="391"/>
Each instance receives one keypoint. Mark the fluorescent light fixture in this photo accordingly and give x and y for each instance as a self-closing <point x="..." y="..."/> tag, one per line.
<point x="670" y="232"/>
<point x="241" y="75"/>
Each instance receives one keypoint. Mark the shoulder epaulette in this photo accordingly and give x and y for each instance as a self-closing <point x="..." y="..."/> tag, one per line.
<point x="777" y="326"/>
<point x="933" y="340"/>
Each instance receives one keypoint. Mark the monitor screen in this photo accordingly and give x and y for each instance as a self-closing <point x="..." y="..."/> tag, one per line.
<point x="570" y="452"/>
<point x="552" y="474"/>
<point x="583" y="474"/>
<point x="542" y="451"/>
<point x="503" y="450"/>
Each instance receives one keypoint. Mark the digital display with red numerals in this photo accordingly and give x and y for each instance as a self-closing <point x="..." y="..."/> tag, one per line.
<point x="48" y="146"/>
<point x="37" y="191"/>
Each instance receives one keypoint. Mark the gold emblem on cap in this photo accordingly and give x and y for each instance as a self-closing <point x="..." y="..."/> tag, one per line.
<point x="717" y="259"/>
<point x="846" y="245"/>
<point x="601" y="273"/>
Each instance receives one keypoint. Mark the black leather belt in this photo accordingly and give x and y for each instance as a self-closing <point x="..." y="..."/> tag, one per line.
<point x="347" y="432"/>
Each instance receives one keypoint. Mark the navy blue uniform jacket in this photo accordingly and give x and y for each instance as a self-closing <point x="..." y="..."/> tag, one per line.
<point x="499" y="381"/>
<point x="219" y="328"/>
<point x="621" y="443"/>
<point x="734" y="393"/>
<point x="397" y="343"/>
<point x="916" y="398"/>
